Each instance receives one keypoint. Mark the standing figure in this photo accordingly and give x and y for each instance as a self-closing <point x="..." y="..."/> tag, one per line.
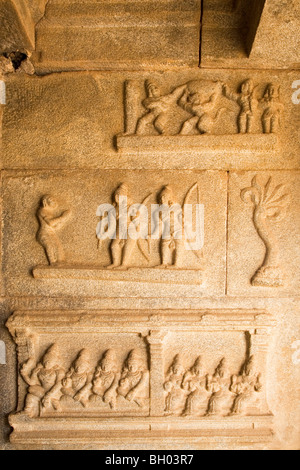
<point x="272" y="109"/>
<point x="134" y="383"/>
<point x="173" y="387"/>
<point x="245" y="386"/>
<point x="194" y="382"/>
<point x="121" y="248"/>
<point x="51" y="220"/>
<point x="218" y="385"/>
<point x="200" y="99"/>
<point x="157" y="106"/>
<point x="106" y="379"/>
<point x="171" y="243"/>
<point x="45" y="382"/>
<point x="248" y="105"/>
<point x="77" y="382"/>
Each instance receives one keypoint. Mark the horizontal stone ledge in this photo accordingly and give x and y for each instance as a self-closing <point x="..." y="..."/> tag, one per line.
<point x="142" y="423"/>
<point x="225" y="145"/>
<point x="152" y="275"/>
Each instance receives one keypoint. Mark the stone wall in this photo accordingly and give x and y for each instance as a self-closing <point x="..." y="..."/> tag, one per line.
<point x="193" y="345"/>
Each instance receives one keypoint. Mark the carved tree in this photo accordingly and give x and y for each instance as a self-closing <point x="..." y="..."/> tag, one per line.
<point x="269" y="205"/>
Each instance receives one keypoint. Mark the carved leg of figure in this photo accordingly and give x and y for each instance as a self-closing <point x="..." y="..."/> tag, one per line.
<point x="242" y="123"/>
<point x="60" y="252"/>
<point x="249" y="123"/>
<point x="266" y="125"/>
<point x="51" y="253"/>
<point x="168" y="403"/>
<point x="116" y="253"/>
<point x="166" y="253"/>
<point x="274" y="125"/>
<point x="32" y="406"/>
<point x="212" y="405"/>
<point x="188" y="406"/>
<point x="127" y="252"/>
<point x="189" y="125"/>
<point x="144" y="122"/>
<point x="160" y="123"/>
<point x="56" y="404"/>
<point x="179" y="253"/>
<point x="237" y="407"/>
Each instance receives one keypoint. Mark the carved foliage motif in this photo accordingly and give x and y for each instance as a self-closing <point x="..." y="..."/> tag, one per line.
<point x="268" y="205"/>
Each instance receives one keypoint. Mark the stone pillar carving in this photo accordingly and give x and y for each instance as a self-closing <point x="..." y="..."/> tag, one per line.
<point x="258" y="348"/>
<point x="131" y="104"/>
<point x="157" y="374"/>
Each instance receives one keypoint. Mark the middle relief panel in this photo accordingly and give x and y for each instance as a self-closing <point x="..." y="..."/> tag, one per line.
<point x="126" y="233"/>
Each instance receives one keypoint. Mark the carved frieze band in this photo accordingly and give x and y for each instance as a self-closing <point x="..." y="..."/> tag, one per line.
<point x="200" y="106"/>
<point x="270" y="203"/>
<point x="135" y="372"/>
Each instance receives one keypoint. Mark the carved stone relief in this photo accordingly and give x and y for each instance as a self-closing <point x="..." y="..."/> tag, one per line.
<point x="201" y="100"/>
<point x="268" y="204"/>
<point x="138" y="378"/>
<point x="66" y="235"/>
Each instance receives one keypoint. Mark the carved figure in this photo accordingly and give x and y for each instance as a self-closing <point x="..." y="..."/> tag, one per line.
<point x="269" y="205"/>
<point x="45" y="383"/>
<point x="157" y="106"/>
<point x="171" y="248"/>
<point x="172" y="231"/>
<point x="194" y="382"/>
<point x="245" y="387"/>
<point x="218" y="385"/>
<point x="272" y="109"/>
<point x="173" y="387"/>
<point x="51" y="220"/>
<point x="106" y="379"/>
<point x="121" y="249"/>
<point x="200" y="99"/>
<point x="77" y="382"/>
<point x="134" y="382"/>
<point x="247" y="103"/>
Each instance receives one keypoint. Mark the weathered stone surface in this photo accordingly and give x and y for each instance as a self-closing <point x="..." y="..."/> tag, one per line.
<point x="263" y="234"/>
<point x="18" y="19"/>
<point x="250" y="34"/>
<point x="152" y="343"/>
<point x="201" y="272"/>
<point x="110" y="35"/>
<point x="81" y="120"/>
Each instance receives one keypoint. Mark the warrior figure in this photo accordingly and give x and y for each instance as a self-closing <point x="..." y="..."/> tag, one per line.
<point x="200" y="99"/>
<point x="157" y="106"/>
<point x="272" y="109"/>
<point x="248" y="105"/>
<point x="171" y="243"/>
